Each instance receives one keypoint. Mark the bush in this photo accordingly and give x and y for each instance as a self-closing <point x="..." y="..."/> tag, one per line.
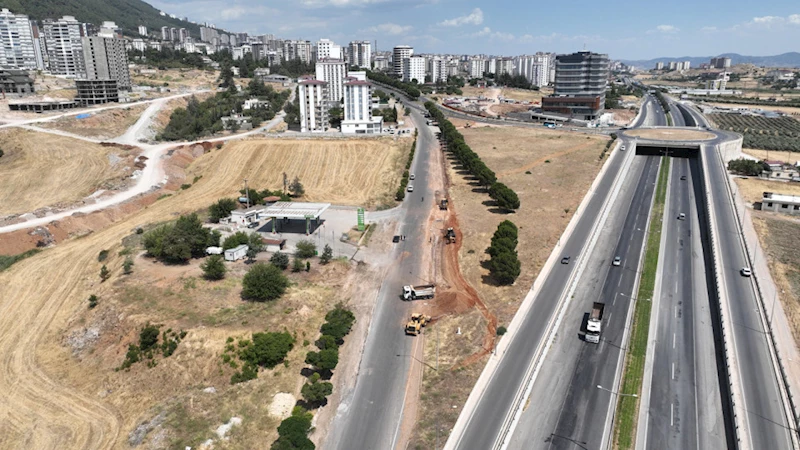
<point x="325" y="341"/>
<point x="148" y="337"/>
<point x="264" y="282"/>
<point x="280" y="260"/>
<point x="221" y="209"/>
<point x="179" y="242"/>
<point x="102" y="256"/>
<point x="267" y="349"/>
<point x="327" y="255"/>
<point x="249" y="372"/>
<point x="316" y="392"/>
<point x="323" y="360"/>
<point x="104" y="273"/>
<point x="293" y="432"/>
<point x="214" y="268"/>
<point x="92" y="301"/>
<point x="235" y="240"/>
<point x="501" y="330"/>
<point x="127" y="266"/>
<point x="338" y="323"/>
<point x="2" y="153"/>
<point x="305" y="249"/>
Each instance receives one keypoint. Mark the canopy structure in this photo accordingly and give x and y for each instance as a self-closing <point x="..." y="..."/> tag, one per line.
<point x="294" y="210"/>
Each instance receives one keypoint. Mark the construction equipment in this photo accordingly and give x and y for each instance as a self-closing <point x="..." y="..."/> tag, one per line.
<point x="467" y="125"/>
<point x="417" y="322"/>
<point x="419" y="291"/>
<point x="443" y="204"/>
<point x="450" y="236"/>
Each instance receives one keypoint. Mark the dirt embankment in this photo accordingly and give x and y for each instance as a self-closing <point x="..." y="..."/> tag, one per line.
<point x="106" y="124"/>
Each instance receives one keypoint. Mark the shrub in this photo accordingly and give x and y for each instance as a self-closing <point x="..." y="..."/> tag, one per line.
<point x="127" y="266"/>
<point x="305" y="249"/>
<point x="104" y="273"/>
<point x="267" y="349"/>
<point x="327" y="255"/>
<point x="214" y="268"/>
<point x="316" y="392"/>
<point x="308" y="266"/>
<point x="280" y="260"/>
<point x="264" y="282"/>
<point x="148" y="337"/>
<point x="221" y="209"/>
<point x="323" y="360"/>
<point x="102" y="256"/>
<point x="325" y="341"/>
<point x="249" y="372"/>
<point x="338" y="323"/>
<point x="297" y="264"/>
<point x="92" y="301"/>
<point x="501" y="330"/>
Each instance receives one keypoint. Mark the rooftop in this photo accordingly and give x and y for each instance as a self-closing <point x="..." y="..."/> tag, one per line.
<point x="783" y="198"/>
<point x="295" y="210"/>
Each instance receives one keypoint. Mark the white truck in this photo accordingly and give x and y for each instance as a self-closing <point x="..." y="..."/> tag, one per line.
<point x="595" y="323"/>
<point x="419" y="291"/>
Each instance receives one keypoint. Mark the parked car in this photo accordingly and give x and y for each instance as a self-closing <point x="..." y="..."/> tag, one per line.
<point x="746" y="272"/>
<point x="565" y="260"/>
<point x="681" y="216"/>
<point x="617" y="261"/>
<point x="252" y="225"/>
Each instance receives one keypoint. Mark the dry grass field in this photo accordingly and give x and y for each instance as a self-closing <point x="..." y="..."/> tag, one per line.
<point x="178" y="78"/>
<point x="772" y="155"/>
<point x="781" y="109"/>
<point x="671" y="134"/>
<point x="551" y="171"/>
<point x="106" y="124"/>
<point x="525" y="95"/>
<point x="753" y="188"/>
<point x="41" y="169"/>
<point x="354" y="172"/>
<point x="52" y="400"/>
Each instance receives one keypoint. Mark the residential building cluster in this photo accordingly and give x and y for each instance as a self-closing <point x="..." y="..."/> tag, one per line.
<point x="674" y="65"/>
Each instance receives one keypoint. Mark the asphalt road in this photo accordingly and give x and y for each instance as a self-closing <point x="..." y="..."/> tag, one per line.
<point x="370" y="414"/>
<point x="485" y="424"/>
<point x="685" y="406"/>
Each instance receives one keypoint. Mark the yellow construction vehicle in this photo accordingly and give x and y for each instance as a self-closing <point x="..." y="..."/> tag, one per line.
<point x="450" y="236"/>
<point x="467" y="125"/>
<point x="417" y="322"/>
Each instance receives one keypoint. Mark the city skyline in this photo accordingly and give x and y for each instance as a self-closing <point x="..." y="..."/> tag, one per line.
<point x="631" y="32"/>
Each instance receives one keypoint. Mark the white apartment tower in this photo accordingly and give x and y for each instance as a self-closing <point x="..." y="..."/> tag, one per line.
<point x="399" y="54"/>
<point x="16" y="38"/>
<point x="476" y="68"/>
<point x="333" y="72"/>
<point x="414" y="69"/>
<point x="106" y="59"/>
<point x="142" y="30"/>
<point x="360" y="54"/>
<point x="437" y="67"/>
<point x="165" y="34"/>
<point x="64" y="49"/>
<point x="302" y="50"/>
<point x="326" y="49"/>
<point x="313" y="106"/>
<point x="357" y="109"/>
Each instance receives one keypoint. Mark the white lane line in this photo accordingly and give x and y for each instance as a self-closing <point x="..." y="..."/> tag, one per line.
<point x="676" y="312"/>
<point x="672" y="414"/>
<point x="673" y="371"/>
<point x="673" y="340"/>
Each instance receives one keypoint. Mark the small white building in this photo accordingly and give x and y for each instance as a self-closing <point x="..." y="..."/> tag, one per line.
<point x="235" y="254"/>
<point x="254" y="103"/>
<point x="244" y="217"/>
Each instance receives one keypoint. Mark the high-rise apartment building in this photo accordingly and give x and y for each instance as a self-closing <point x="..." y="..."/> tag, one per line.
<point x="63" y="43"/>
<point x="535" y="68"/>
<point x="580" y="86"/>
<point x="720" y="62"/>
<point x="360" y="54"/>
<point x="326" y="49"/>
<point x="106" y="59"/>
<point x="659" y="65"/>
<point x="414" y="69"/>
<point x="313" y="106"/>
<point x="400" y="53"/>
<point x="476" y="68"/>
<point x="437" y="68"/>
<point x="302" y="50"/>
<point x="16" y="39"/>
<point x="142" y="30"/>
<point x="183" y="34"/>
<point x="165" y="34"/>
<point x="358" y="107"/>
<point x="333" y="72"/>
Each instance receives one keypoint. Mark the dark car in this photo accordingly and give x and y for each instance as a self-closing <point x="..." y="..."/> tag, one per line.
<point x="396" y="239"/>
<point x="683" y="177"/>
<point x="252" y="225"/>
<point x="565" y="260"/>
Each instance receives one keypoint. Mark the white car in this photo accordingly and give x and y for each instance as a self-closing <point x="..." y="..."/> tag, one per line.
<point x="617" y="261"/>
<point x="410" y="189"/>
<point x="681" y="216"/>
<point x="746" y="272"/>
<point x="411" y="177"/>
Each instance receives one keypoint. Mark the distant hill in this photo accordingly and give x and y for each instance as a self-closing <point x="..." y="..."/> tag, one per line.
<point x="128" y="14"/>
<point x="791" y="59"/>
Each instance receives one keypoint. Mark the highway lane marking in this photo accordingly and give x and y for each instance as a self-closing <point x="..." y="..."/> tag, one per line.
<point x="672" y="414"/>
<point x="673" y="371"/>
<point x="673" y="340"/>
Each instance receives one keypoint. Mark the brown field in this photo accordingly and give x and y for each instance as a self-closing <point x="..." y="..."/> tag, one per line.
<point x="175" y="78"/>
<point x="787" y="157"/>
<point x="562" y="166"/>
<point x="780" y="236"/>
<point x="41" y="169"/>
<point x="106" y="124"/>
<point x="781" y="109"/>
<point x="753" y="188"/>
<point x="57" y="395"/>
<point x="525" y="95"/>
<point x="671" y="134"/>
<point x="354" y="172"/>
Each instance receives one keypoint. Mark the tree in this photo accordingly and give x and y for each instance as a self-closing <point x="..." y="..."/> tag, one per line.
<point x="104" y="273"/>
<point x="214" y="268"/>
<point x="148" y="337"/>
<point x="280" y="260"/>
<point x="316" y="392"/>
<point x="505" y="267"/>
<point x="505" y="197"/>
<point x="293" y="432"/>
<point x="296" y="188"/>
<point x="336" y="115"/>
<point x="325" y="341"/>
<point x="297" y="264"/>
<point x="221" y="209"/>
<point x="127" y="266"/>
<point x="305" y="249"/>
<point x="338" y="323"/>
<point x="267" y="349"/>
<point x="235" y="240"/>
<point x="501" y="245"/>
<point x="323" y="360"/>
<point x="92" y="301"/>
<point x="327" y="255"/>
<point x="264" y="282"/>
<point x="177" y="243"/>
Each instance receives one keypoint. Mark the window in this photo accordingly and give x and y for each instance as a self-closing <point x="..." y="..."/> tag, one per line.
<point x="769" y="204"/>
<point x="796" y="207"/>
<point x="784" y="206"/>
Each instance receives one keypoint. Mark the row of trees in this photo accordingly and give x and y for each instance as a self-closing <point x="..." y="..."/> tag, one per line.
<point x="768" y="133"/>
<point x="663" y="101"/>
<point x="168" y="58"/>
<point x="401" y="191"/>
<point x="410" y="89"/>
<point x="388" y="114"/>
<point x="747" y="167"/>
<point x="504" y="196"/>
<point x="504" y="265"/>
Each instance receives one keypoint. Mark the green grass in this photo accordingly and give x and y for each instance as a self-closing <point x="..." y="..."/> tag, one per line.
<point x="7" y="260"/>
<point x="637" y="348"/>
<point x="669" y="119"/>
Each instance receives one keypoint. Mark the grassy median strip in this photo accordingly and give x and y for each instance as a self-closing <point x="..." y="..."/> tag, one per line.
<point x="628" y="406"/>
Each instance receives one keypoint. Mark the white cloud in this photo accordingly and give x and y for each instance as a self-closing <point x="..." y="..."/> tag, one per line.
<point x="392" y="29"/>
<point x="487" y="32"/>
<point x="339" y="3"/>
<point x="774" y="21"/>
<point x="665" y="29"/>
<point x="708" y="29"/>
<point x="794" y="19"/>
<point x="233" y="12"/>
<point x="473" y="18"/>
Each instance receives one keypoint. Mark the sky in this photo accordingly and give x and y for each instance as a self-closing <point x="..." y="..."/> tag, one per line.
<point x="631" y="30"/>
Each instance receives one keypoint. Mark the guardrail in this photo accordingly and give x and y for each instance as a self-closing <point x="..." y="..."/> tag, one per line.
<point x="737" y="410"/>
<point x="790" y="406"/>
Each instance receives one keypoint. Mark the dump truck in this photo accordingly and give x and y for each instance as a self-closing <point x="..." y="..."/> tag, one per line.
<point x="450" y="236"/>
<point x="419" y="291"/>
<point x="595" y="323"/>
<point x="417" y="322"/>
<point x="443" y="204"/>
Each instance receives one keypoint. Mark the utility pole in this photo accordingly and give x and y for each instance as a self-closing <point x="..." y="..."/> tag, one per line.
<point x="285" y="182"/>
<point x="246" y="193"/>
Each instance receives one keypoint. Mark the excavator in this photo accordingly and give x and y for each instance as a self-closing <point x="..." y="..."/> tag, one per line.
<point x="417" y="322"/>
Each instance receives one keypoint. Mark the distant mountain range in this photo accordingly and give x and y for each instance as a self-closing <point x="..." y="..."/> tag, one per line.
<point x="128" y="14"/>
<point x="791" y="59"/>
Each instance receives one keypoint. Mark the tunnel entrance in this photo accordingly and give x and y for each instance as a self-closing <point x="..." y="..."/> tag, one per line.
<point x="681" y="151"/>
